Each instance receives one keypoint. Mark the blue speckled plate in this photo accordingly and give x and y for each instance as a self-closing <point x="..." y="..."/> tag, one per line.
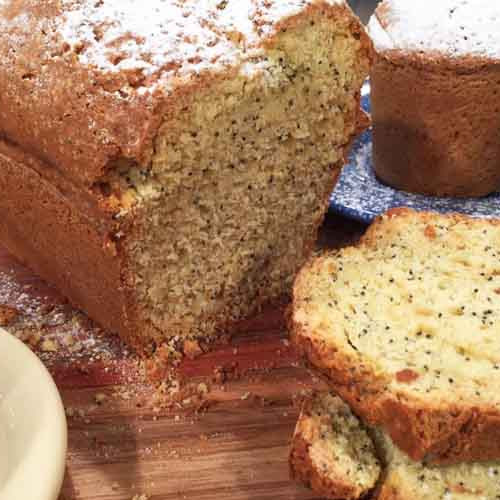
<point x="361" y="196"/>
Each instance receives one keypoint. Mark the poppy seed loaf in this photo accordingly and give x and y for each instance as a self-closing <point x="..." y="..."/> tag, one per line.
<point x="167" y="165"/>
<point x="406" y="326"/>
<point x="397" y="478"/>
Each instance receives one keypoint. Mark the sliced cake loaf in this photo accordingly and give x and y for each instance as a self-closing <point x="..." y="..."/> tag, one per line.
<point x="332" y="452"/>
<point x="406" y="325"/>
<point x="166" y="164"/>
<point x="326" y="424"/>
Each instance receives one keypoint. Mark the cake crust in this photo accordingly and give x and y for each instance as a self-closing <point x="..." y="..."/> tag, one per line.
<point x="303" y="470"/>
<point x="432" y="126"/>
<point x="423" y="428"/>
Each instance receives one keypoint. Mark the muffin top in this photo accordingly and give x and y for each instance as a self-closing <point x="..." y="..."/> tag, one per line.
<point x="454" y="28"/>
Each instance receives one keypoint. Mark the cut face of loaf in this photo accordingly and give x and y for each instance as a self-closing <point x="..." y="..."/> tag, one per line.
<point x="212" y="218"/>
<point x="326" y="423"/>
<point x="230" y="208"/>
<point x="406" y="325"/>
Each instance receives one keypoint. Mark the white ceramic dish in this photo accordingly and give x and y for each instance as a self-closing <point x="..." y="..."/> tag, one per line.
<point x="33" y="432"/>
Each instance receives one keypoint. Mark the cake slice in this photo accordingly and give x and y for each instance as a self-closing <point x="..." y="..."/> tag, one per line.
<point x="330" y="442"/>
<point x="409" y="480"/>
<point x="166" y="164"/>
<point x="407" y="327"/>
<point x="332" y="452"/>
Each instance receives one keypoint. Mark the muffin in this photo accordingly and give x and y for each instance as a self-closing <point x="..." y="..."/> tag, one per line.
<point x="435" y="85"/>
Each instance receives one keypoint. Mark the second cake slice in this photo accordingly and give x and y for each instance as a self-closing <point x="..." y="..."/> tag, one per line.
<point x="320" y="459"/>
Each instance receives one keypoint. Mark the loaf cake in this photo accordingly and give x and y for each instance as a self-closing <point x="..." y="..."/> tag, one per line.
<point x="167" y="164"/>
<point x="434" y="89"/>
<point x="398" y="478"/>
<point x="406" y="327"/>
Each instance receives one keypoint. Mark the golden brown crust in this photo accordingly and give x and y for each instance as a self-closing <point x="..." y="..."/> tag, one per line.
<point x="435" y="121"/>
<point x="421" y="428"/>
<point x="302" y="470"/>
<point x="59" y="233"/>
<point x="71" y="234"/>
<point x="62" y="112"/>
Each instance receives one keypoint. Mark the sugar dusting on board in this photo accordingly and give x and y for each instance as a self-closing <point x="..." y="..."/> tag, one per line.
<point x="452" y="27"/>
<point x="51" y="326"/>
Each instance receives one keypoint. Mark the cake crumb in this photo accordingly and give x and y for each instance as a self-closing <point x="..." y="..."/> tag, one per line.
<point x="49" y="345"/>
<point x="202" y="388"/>
<point x="192" y="349"/>
<point x="100" y="398"/>
<point x="8" y="315"/>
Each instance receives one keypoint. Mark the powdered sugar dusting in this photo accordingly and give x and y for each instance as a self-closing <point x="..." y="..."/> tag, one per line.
<point x="169" y="37"/>
<point x="273" y="10"/>
<point x="174" y="37"/>
<point x="51" y="326"/>
<point x="452" y="27"/>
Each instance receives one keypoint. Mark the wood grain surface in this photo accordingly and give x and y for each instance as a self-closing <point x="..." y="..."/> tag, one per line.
<point x="216" y="427"/>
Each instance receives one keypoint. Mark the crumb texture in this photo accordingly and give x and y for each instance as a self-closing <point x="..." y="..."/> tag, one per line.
<point x="196" y="144"/>
<point x="419" y="301"/>
<point x="84" y="83"/>
<point x="240" y="181"/>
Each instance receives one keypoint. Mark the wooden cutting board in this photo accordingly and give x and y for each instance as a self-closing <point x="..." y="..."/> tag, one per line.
<point x="217" y="428"/>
